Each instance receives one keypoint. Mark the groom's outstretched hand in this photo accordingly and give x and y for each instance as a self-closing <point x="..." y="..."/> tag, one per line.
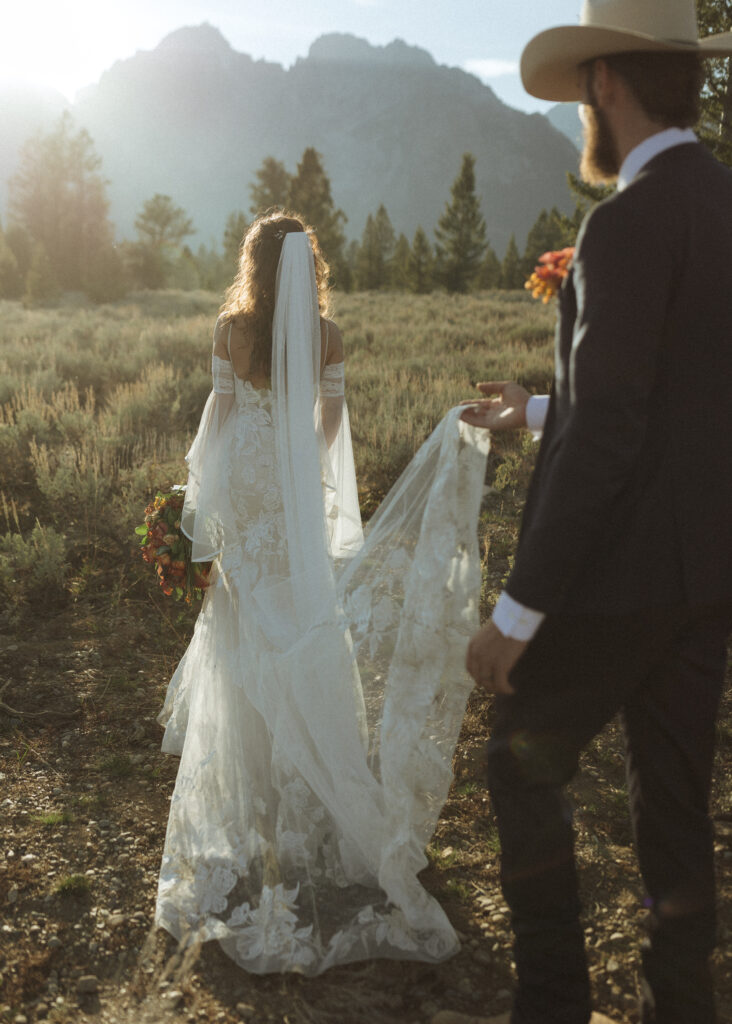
<point x="505" y="411"/>
<point x="491" y="656"/>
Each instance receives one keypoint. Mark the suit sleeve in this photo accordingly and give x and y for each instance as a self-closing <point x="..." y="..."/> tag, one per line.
<point x="623" y="275"/>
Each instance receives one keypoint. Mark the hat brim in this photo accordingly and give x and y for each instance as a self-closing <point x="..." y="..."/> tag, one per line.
<point x="550" y="60"/>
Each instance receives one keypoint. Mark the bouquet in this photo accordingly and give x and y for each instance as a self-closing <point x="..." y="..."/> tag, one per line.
<point x="166" y="547"/>
<point x="547" y="277"/>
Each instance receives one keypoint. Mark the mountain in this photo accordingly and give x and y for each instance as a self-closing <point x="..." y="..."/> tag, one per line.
<point x="194" y="119"/>
<point x="565" y="118"/>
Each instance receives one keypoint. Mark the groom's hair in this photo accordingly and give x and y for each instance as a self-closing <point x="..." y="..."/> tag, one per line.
<point x="666" y="85"/>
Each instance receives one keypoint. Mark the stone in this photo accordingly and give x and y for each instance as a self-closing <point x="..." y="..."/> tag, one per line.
<point x="13" y="894"/>
<point x="173" y="997"/>
<point x="87" y="984"/>
<point x="245" y="1010"/>
<point x="115" y="920"/>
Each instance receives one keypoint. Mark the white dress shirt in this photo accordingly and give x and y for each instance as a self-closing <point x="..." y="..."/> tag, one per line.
<point x="509" y="616"/>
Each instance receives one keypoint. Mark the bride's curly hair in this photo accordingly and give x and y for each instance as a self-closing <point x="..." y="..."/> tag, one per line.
<point x="249" y="300"/>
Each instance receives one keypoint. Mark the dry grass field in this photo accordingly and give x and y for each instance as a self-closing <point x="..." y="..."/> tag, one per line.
<point x="97" y="408"/>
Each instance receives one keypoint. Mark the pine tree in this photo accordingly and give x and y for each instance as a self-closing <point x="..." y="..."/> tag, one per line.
<point x="59" y="197"/>
<point x="715" y="127"/>
<point x="11" y="283"/>
<point x="421" y="263"/>
<point x="512" y="275"/>
<point x="272" y="187"/>
<point x="310" y="196"/>
<point x="489" y="275"/>
<point x="108" y="280"/>
<point x="161" y="227"/>
<point x="41" y="283"/>
<point x="236" y="228"/>
<point x="399" y="266"/>
<point x="375" y="251"/>
<point x="460" y="231"/>
<point x="551" y="231"/>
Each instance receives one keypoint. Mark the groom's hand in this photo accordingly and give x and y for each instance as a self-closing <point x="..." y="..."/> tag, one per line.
<point x="505" y="412"/>
<point x="491" y="656"/>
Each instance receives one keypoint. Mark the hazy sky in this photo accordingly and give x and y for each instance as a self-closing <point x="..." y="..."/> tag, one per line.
<point x="67" y="44"/>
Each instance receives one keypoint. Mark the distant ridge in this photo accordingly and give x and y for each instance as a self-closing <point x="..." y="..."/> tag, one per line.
<point x="194" y="119"/>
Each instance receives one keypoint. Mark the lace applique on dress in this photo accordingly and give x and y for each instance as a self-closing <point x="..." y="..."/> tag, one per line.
<point x="332" y="381"/>
<point x="223" y="376"/>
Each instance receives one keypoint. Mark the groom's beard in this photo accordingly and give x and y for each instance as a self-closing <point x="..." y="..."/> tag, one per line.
<point x="600" y="162"/>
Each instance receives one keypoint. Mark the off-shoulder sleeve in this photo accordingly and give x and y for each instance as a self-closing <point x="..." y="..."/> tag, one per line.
<point x="332" y="381"/>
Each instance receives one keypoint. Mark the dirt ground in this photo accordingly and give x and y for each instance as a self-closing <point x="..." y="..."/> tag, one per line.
<point x="84" y="793"/>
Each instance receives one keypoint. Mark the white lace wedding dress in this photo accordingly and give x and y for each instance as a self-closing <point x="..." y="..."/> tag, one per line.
<point x="316" y="709"/>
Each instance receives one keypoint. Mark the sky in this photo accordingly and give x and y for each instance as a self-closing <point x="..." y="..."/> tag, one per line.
<point x="67" y="44"/>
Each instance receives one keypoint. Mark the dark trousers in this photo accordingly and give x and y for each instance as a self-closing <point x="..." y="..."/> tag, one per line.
<point x="663" y="672"/>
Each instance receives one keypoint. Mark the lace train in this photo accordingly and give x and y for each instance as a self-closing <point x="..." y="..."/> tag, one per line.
<point x="314" y="765"/>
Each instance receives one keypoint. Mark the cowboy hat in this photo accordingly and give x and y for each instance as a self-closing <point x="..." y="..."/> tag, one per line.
<point x="550" y="60"/>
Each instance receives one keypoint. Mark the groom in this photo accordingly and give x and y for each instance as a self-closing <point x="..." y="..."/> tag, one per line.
<point x="620" y="599"/>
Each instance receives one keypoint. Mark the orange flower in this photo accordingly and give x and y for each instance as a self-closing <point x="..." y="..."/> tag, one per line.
<point x="546" y="280"/>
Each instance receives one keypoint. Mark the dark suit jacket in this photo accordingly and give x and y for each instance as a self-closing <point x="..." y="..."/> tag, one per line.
<point x="630" y="505"/>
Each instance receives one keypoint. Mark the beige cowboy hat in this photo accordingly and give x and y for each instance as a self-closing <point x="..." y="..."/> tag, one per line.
<point x="550" y="60"/>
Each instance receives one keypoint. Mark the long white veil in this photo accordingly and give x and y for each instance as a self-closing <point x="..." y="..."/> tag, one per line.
<point x="323" y="696"/>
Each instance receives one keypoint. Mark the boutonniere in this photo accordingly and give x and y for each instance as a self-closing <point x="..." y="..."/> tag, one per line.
<point x="547" y="277"/>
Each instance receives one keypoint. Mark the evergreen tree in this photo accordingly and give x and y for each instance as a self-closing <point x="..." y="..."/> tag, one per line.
<point x="375" y="251"/>
<point x="271" y="188"/>
<point x="715" y="127"/>
<point x="11" y="283"/>
<point x="399" y="267"/>
<point x="161" y="227"/>
<point x="236" y="228"/>
<point x="59" y="197"/>
<point x="489" y="275"/>
<point x="460" y="231"/>
<point x="421" y="263"/>
<point x="512" y="276"/>
<point x="215" y="271"/>
<point x="551" y="231"/>
<point x="108" y="280"/>
<point x="41" y="283"/>
<point x="310" y="196"/>
<point x="21" y="245"/>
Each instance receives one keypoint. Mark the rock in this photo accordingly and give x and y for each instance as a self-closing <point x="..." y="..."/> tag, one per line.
<point x="13" y="894"/>
<point x="41" y="1010"/>
<point x="87" y="984"/>
<point x="245" y="1011"/>
<point x="173" y="997"/>
<point x="20" y="1019"/>
<point x="28" y="858"/>
<point x="617" y="937"/>
<point x="612" y="965"/>
<point x="465" y="987"/>
<point x="115" y="920"/>
<point x="54" y="942"/>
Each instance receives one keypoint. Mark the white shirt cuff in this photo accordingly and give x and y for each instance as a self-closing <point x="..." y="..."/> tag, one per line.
<point x="516" y="620"/>
<point x="536" y="410"/>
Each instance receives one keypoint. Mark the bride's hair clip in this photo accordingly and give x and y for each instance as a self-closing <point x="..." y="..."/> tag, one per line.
<point x="279" y="234"/>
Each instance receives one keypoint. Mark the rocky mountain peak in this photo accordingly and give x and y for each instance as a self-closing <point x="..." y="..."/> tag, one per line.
<point x="342" y="48"/>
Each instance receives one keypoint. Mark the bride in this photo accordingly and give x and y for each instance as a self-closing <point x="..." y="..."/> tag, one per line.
<point x="318" y="704"/>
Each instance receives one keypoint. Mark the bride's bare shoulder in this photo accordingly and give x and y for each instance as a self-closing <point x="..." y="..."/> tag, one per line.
<point x="331" y="341"/>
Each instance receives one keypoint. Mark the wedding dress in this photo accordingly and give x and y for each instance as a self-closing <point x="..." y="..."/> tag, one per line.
<point x="319" y="702"/>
